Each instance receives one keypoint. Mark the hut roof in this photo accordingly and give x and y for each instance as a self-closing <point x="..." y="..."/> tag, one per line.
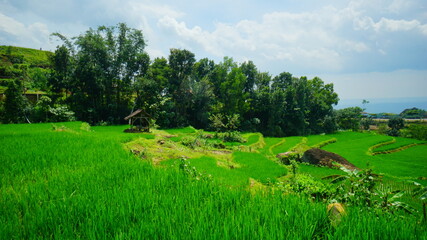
<point x="133" y="114"/>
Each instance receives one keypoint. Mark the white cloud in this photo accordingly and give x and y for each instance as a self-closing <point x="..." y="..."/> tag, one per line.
<point x="355" y="46"/>
<point x="35" y="34"/>
<point x="389" y="25"/>
<point x="11" y="26"/>
<point x="301" y="37"/>
<point x="379" y="84"/>
<point x="399" y="5"/>
<point x="396" y="25"/>
<point x="154" y="10"/>
<point x="309" y="38"/>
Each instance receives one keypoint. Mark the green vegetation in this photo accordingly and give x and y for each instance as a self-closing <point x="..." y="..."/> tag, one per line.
<point x="25" y="65"/>
<point x="398" y="143"/>
<point x="26" y="55"/>
<point x="286" y="145"/>
<point x="181" y="130"/>
<point x="85" y="183"/>
<point x="401" y="165"/>
<point x="258" y="166"/>
<point x="413" y="113"/>
<point x="178" y="91"/>
<point x="75" y="181"/>
<point x="416" y="131"/>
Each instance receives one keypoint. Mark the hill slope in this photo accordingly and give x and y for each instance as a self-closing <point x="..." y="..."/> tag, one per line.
<point x="31" y="66"/>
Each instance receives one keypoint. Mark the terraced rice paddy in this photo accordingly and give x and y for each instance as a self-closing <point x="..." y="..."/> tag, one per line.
<point x="69" y="181"/>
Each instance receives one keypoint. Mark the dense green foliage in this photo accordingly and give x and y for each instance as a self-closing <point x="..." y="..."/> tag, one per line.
<point x="395" y="124"/>
<point x="104" y="74"/>
<point x="83" y="184"/>
<point x="413" y="113"/>
<point x="416" y="131"/>
<point x="15" y="104"/>
<point x="99" y="69"/>
<point x="26" y="65"/>
<point x="349" y="118"/>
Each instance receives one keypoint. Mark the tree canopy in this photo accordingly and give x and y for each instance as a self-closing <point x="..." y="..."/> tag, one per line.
<point x="105" y="73"/>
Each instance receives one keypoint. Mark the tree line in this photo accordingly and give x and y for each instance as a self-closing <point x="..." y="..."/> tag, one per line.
<point x="104" y="74"/>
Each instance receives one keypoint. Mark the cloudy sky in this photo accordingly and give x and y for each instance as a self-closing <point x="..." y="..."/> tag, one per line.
<point x="367" y="48"/>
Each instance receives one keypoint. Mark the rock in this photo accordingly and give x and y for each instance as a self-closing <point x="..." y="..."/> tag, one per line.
<point x="208" y="136"/>
<point x="282" y="155"/>
<point x="335" y="212"/>
<point x="321" y="157"/>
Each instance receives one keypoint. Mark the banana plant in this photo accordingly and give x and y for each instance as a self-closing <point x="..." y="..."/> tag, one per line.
<point x="389" y="201"/>
<point x="355" y="187"/>
<point x="420" y="191"/>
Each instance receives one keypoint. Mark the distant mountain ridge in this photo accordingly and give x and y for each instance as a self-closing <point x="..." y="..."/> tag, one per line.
<point x="385" y="105"/>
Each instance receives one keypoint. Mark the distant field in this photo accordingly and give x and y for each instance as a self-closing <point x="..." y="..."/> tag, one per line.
<point x="399" y="142"/>
<point x="286" y="145"/>
<point x="408" y="164"/>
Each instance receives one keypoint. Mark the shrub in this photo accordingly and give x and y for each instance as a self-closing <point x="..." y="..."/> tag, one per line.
<point x="234" y="136"/>
<point x="355" y="188"/>
<point x="41" y="110"/>
<point x="359" y="188"/>
<point x="15" y="104"/>
<point x="330" y="124"/>
<point x="416" y="131"/>
<point x="61" y="113"/>
<point x="199" y="140"/>
<point x="349" y="118"/>
<point x="304" y="184"/>
<point x="85" y="127"/>
<point x="289" y="157"/>
<point x="366" y="123"/>
<point x="383" y="128"/>
<point x="192" y="172"/>
<point x="395" y="125"/>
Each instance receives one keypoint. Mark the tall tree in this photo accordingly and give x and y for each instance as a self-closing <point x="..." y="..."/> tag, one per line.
<point x="151" y="88"/>
<point x="320" y="104"/>
<point x="61" y="69"/>
<point x="15" y="103"/>
<point x="181" y="64"/>
<point x="202" y="69"/>
<point x="349" y="118"/>
<point x="107" y="62"/>
<point x="202" y="99"/>
<point x="250" y="71"/>
<point x="232" y="94"/>
<point x="261" y="104"/>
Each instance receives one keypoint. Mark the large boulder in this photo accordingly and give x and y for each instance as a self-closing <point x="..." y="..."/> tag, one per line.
<point x="321" y="157"/>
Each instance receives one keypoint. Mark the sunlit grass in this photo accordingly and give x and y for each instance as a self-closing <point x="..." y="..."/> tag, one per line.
<point x="71" y="183"/>
<point x="181" y="130"/>
<point x="399" y="142"/>
<point x="289" y="143"/>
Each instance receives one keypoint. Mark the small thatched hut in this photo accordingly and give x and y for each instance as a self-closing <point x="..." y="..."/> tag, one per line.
<point x="139" y="120"/>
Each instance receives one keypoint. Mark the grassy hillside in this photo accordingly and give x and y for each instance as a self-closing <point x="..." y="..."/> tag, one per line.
<point x="32" y="57"/>
<point x="74" y="182"/>
<point x="30" y="66"/>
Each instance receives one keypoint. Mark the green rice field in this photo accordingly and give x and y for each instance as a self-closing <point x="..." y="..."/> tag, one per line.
<point x="73" y="181"/>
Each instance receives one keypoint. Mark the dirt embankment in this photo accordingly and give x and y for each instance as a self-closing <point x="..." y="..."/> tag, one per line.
<point x="321" y="157"/>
